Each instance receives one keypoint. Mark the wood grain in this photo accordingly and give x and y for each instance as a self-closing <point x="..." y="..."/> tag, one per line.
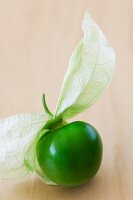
<point x="36" y="41"/>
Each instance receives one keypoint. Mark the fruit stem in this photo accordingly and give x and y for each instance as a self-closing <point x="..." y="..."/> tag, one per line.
<point x="45" y="105"/>
<point x="53" y="123"/>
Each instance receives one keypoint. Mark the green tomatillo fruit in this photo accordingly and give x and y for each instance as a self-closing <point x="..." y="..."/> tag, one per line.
<point x="44" y="143"/>
<point x="70" y="155"/>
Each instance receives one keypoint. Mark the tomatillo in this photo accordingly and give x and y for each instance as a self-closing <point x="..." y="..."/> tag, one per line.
<point x="70" y="155"/>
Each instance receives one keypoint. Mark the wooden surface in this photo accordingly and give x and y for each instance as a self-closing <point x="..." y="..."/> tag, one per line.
<point x="36" y="41"/>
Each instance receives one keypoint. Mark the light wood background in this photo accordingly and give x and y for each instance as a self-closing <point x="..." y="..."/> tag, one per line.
<point x="36" y="41"/>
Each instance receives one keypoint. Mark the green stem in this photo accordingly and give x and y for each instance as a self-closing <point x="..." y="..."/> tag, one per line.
<point x="53" y="123"/>
<point x="45" y="105"/>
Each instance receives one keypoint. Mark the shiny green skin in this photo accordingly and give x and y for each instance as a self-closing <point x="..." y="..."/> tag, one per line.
<point x="70" y="155"/>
